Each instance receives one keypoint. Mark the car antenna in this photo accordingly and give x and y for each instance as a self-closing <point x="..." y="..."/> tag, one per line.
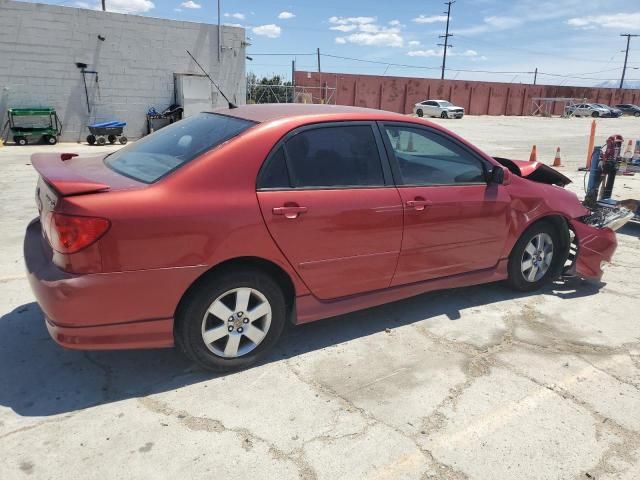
<point x="231" y="104"/>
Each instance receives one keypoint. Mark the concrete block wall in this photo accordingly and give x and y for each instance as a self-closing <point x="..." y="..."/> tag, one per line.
<point x="40" y="44"/>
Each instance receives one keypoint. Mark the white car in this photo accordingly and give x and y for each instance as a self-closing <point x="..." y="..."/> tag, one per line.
<point x="438" y="108"/>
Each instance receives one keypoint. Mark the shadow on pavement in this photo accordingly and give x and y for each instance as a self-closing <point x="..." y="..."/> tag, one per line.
<point x="39" y="378"/>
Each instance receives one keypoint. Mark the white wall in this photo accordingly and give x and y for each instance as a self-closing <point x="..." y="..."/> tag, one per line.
<point x="40" y="44"/>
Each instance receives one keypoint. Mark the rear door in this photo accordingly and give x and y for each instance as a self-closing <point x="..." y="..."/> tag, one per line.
<point x="455" y="222"/>
<point x="328" y="200"/>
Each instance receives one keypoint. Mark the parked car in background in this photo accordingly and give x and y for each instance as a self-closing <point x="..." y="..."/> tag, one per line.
<point x="438" y="108"/>
<point x="613" y="112"/>
<point x="214" y="232"/>
<point x="588" y="110"/>
<point x="629" y="109"/>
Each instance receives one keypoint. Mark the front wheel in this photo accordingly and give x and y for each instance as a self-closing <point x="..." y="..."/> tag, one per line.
<point x="637" y="114"/>
<point x="51" y="139"/>
<point x="20" y="140"/>
<point x="595" y="114"/>
<point x="534" y="257"/>
<point x="231" y="320"/>
<point x="91" y="139"/>
<point x="123" y="140"/>
<point x="420" y="113"/>
<point x="444" y="115"/>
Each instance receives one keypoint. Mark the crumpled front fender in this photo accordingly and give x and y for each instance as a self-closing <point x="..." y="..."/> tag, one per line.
<point x="595" y="245"/>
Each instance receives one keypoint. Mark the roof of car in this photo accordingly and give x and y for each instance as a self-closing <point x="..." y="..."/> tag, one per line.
<point x="273" y="111"/>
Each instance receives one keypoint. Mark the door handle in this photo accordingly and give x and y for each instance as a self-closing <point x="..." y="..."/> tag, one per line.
<point x="418" y="204"/>
<point x="289" y="211"/>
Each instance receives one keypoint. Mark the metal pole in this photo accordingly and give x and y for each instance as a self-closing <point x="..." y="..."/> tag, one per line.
<point x="293" y="81"/>
<point x="446" y="38"/>
<point x="626" y="55"/>
<point x="104" y="6"/>
<point x="219" y="35"/>
<point x="535" y="76"/>
<point x="318" y="60"/>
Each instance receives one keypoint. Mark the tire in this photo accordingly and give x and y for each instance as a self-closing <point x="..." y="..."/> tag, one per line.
<point x="637" y="114"/>
<point x="444" y="115"/>
<point x="595" y="114"/>
<point x="20" y="140"/>
<point x="101" y="141"/>
<point x="91" y="139"/>
<point x="194" y="318"/>
<point x="112" y="139"/>
<point x="419" y="112"/>
<point x="123" y="140"/>
<point x="51" y="139"/>
<point x="520" y="278"/>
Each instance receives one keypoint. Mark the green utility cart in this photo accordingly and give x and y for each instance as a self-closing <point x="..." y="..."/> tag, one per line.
<point x="32" y="125"/>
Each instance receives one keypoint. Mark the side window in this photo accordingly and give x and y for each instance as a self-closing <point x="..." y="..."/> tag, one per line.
<point x="427" y="158"/>
<point x="334" y="157"/>
<point x="274" y="174"/>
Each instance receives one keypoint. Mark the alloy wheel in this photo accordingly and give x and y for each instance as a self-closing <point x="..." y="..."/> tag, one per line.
<point x="236" y="322"/>
<point x="537" y="257"/>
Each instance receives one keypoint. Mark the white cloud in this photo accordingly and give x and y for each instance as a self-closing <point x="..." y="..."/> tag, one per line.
<point x="190" y="4"/>
<point x="430" y="19"/>
<point x="629" y="21"/>
<point x="491" y="24"/>
<point x="349" y="20"/>
<point x="270" y="31"/>
<point x="233" y="25"/>
<point x="120" y="6"/>
<point x="285" y="15"/>
<point x="381" y="39"/>
<point x="367" y="32"/>
<point x="239" y="16"/>
<point x="414" y="43"/>
<point x="438" y="53"/>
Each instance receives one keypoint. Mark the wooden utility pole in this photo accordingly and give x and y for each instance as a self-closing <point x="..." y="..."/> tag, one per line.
<point x="104" y="5"/>
<point x="446" y="36"/>
<point x="535" y="75"/>
<point x="318" y="51"/>
<point x="626" y="55"/>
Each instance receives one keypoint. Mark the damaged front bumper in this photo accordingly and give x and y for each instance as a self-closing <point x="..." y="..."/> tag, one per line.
<point x="593" y="247"/>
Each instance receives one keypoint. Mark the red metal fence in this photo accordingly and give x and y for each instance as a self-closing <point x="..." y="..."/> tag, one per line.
<point x="399" y="94"/>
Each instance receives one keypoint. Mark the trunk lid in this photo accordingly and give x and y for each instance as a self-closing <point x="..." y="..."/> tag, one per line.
<point x="68" y="174"/>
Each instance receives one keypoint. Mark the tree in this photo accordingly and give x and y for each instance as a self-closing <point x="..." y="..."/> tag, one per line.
<point x="268" y="89"/>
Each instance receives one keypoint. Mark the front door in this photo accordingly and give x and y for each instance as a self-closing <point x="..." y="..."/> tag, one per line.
<point x="328" y="201"/>
<point x="455" y="222"/>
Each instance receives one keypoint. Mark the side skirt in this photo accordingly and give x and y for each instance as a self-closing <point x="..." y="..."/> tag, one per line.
<point x="309" y="308"/>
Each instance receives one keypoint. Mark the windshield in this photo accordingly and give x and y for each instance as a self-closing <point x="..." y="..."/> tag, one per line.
<point x="445" y="104"/>
<point x="166" y="150"/>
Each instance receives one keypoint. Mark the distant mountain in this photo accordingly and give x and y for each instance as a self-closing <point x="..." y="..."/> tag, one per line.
<point x="616" y="84"/>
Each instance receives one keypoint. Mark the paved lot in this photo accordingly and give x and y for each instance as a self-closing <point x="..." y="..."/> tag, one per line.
<point x="479" y="383"/>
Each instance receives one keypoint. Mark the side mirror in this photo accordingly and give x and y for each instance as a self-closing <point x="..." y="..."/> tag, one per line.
<point x="497" y="175"/>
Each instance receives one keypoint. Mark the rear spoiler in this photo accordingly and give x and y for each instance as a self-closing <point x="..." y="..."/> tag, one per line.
<point x="63" y="179"/>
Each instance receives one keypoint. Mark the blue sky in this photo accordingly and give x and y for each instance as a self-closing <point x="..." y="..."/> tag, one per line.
<point x="578" y="38"/>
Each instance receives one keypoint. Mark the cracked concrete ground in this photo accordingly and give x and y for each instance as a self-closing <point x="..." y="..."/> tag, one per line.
<point x="473" y="383"/>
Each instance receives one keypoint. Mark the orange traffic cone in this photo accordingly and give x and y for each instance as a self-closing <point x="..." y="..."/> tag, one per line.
<point x="557" y="162"/>
<point x="534" y="155"/>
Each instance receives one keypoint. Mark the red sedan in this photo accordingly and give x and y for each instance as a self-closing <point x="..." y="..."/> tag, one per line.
<point x="214" y="232"/>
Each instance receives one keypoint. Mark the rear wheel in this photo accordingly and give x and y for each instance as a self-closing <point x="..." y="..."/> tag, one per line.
<point x="101" y="141"/>
<point x="231" y="320"/>
<point x="91" y="139"/>
<point x="20" y="140"/>
<point x="444" y="115"/>
<point x="534" y="257"/>
<point x="112" y="139"/>
<point x="595" y="114"/>
<point x="123" y="140"/>
<point x="51" y="139"/>
<point x="637" y="114"/>
<point x="420" y="113"/>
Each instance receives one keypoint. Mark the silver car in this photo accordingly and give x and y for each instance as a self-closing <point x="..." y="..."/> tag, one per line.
<point x="438" y="108"/>
<point x="588" y="110"/>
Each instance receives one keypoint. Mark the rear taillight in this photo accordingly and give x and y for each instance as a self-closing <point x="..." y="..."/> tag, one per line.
<point x="72" y="233"/>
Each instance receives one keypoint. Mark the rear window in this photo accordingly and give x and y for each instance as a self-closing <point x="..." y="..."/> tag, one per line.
<point x="166" y="150"/>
